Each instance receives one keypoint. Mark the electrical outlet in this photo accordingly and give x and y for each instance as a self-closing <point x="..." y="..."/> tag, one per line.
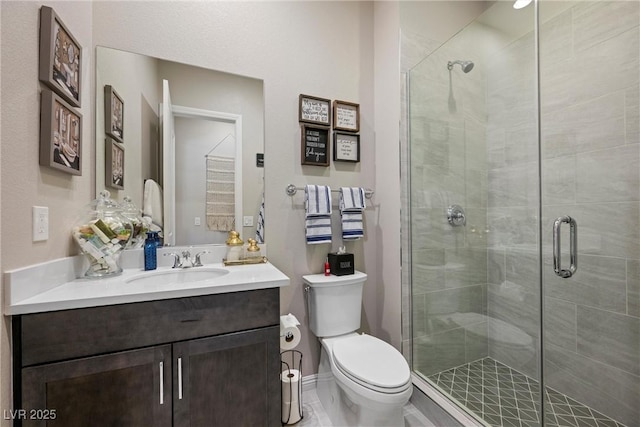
<point x="196" y="221"/>
<point x="247" y="221"/>
<point x="40" y="223"/>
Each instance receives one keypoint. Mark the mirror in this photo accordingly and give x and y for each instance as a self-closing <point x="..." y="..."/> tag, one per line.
<point x="199" y="144"/>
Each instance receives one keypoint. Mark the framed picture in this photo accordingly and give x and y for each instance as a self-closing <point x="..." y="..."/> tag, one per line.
<point x="346" y="147"/>
<point x="113" y="114"/>
<point x="315" y="145"/>
<point x="314" y="110"/>
<point x="60" y="134"/>
<point x="114" y="164"/>
<point x="60" y="57"/>
<point x="346" y="116"/>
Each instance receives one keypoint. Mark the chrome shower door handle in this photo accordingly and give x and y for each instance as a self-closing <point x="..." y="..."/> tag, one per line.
<point x="573" y="247"/>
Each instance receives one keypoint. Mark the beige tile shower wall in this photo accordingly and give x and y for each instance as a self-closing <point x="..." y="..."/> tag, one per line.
<point x="591" y="160"/>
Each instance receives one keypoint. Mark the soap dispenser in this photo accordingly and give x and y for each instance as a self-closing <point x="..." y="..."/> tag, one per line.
<point x="253" y="250"/>
<point x="234" y="246"/>
<point x="150" y="251"/>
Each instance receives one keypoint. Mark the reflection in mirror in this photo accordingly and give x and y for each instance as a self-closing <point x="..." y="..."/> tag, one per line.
<point x="200" y="147"/>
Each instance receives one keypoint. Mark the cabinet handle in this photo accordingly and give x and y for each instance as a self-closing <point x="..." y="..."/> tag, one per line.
<point x="180" y="378"/>
<point x="162" y="383"/>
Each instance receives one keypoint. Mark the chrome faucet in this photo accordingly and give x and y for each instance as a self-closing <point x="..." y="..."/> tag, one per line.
<point x="184" y="260"/>
<point x="197" y="262"/>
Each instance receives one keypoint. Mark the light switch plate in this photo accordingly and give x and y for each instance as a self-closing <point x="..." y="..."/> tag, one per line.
<point x="196" y="221"/>
<point x="40" y="223"/>
<point x="247" y="221"/>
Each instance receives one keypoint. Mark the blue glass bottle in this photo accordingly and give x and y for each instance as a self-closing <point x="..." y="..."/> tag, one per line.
<point x="150" y="252"/>
<point x="156" y="238"/>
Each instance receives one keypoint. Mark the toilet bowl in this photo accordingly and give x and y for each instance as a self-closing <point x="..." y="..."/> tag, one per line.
<point x="362" y="380"/>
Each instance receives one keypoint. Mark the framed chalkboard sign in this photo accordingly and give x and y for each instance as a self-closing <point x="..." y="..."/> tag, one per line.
<point x="315" y="145"/>
<point x="314" y="110"/>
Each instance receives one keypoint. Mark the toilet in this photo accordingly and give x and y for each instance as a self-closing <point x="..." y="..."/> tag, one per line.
<point x="362" y="380"/>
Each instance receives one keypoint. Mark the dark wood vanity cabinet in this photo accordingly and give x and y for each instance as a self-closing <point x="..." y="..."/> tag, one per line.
<point x="198" y="361"/>
<point x="119" y="389"/>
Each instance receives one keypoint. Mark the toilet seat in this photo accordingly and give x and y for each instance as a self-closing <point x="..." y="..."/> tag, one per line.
<point x="386" y="372"/>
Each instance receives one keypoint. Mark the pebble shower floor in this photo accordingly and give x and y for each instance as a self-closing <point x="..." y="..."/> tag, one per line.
<point x="502" y="396"/>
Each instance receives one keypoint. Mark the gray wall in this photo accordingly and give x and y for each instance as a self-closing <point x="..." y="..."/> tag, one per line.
<point x="196" y="138"/>
<point x="135" y="79"/>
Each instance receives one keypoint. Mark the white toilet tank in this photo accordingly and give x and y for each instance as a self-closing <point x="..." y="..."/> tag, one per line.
<point x="334" y="303"/>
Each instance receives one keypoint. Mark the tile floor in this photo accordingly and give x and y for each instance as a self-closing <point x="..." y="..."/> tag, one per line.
<point x="315" y="415"/>
<point x="499" y="394"/>
<point x="505" y="397"/>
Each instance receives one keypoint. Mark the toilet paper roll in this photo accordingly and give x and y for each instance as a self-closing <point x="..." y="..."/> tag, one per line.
<point x="289" y="332"/>
<point x="291" y="407"/>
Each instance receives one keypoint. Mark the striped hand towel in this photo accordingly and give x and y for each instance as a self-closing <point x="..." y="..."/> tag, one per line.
<point x="318" y="214"/>
<point x="260" y="225"/>
<point x="352" y="204"/>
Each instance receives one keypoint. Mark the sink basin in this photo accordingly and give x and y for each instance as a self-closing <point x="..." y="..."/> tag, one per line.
<point x="177" y="276"/>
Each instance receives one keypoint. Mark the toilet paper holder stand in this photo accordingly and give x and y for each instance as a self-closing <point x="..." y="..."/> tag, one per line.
<point x="291" y="361"/>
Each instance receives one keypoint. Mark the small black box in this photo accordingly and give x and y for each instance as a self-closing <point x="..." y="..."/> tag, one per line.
<point x="341" y="264"/>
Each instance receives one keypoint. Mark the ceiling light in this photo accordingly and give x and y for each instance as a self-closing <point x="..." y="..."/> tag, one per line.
<point x="519" y="4"/>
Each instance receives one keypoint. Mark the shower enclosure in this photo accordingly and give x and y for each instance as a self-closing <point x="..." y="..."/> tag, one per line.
<point x="523" y="201"/>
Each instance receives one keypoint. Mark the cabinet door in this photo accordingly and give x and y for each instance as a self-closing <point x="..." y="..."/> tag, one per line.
<point x="228" y="380"/>
<point x="131" y="388"/>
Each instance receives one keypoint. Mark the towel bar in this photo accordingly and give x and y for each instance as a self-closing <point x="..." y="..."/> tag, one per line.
<point x="292" y="189"/>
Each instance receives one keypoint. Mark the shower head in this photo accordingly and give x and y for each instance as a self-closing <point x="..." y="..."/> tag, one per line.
<point x="466" y="65"/>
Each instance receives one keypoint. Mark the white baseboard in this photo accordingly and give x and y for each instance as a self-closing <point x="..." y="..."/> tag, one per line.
<point x="309" y="382"/>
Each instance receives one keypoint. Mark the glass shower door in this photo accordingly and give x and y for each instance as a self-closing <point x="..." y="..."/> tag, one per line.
<point x="474" y="207"/>
<point x="589" y="87"/>
<point x="525" y="215"/>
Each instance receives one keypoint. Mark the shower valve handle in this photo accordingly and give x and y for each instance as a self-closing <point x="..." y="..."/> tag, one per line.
<point x="456" y="215"/>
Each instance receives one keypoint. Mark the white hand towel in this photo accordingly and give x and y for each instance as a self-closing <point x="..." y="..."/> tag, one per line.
<point x="352" y="204"/>
<point x="318" y="214"/>
<point x="152" y="202"/>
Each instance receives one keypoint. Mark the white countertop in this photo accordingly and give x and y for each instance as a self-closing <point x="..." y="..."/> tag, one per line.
<point x="82" y="293"/>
